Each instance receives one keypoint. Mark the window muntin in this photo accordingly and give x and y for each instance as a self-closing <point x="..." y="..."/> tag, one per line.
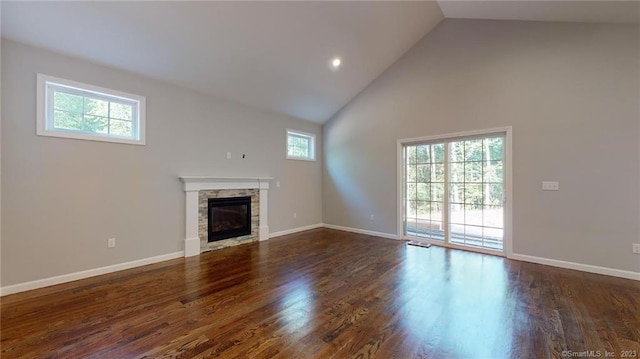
<point x="75" y="110"/>
<point x="300" y="145"/>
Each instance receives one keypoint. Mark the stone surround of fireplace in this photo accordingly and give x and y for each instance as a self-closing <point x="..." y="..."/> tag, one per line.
<point x="199" y="188"/>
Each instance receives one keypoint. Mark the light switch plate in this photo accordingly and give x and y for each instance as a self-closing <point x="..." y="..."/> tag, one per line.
<point x="550" y="186"/>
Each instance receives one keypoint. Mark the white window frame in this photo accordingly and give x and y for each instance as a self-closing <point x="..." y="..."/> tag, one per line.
<point x="508" y="197"/>
<point x="44" y="122"/>
<point x="312" y="145"/>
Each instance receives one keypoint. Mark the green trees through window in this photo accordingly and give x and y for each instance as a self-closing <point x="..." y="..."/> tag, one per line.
<point x="454" y="191"/>
<point x="86" y="114"/>
<point x="300" y="145"/>
<point x="425" y="180"/>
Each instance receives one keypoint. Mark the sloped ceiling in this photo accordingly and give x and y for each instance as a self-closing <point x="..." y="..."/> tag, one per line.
<point x="609" y="11"/>
<point x="269" y="55"/>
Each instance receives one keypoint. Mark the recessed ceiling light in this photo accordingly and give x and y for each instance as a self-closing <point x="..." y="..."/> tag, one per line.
<point x="335" y="63"/>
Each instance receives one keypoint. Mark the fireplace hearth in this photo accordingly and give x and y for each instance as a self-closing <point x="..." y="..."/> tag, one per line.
<point x="229" y="217"/>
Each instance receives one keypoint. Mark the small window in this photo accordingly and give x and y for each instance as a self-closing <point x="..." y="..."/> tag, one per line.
<point x="75" y="110"/>
<point x="301" y="146"/>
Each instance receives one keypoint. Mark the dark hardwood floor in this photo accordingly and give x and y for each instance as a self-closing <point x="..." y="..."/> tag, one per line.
<point x="328" y="294"/>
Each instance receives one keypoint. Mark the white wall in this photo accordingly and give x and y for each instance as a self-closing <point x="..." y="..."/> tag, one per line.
<point x="570" y="92"/>
<point x="63" y="198"/>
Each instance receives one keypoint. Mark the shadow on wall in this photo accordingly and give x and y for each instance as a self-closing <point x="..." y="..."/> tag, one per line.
<point x="351" y="195"/>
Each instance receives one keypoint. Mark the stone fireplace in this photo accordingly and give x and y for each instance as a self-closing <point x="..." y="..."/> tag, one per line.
<point x="240" y="204"/>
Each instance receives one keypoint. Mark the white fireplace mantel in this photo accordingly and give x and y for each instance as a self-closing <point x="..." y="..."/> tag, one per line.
<point x="193" y="184"/>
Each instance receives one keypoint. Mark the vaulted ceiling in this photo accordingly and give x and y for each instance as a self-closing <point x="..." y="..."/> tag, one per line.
<point x="268" y="55"/>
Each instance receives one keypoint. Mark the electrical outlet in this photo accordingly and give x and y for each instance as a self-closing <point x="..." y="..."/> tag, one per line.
<point x="636" y="248"/>
<point x="111" y="242"/>
<point x="550" y="186"/>
<point x="371" y="218"/>
<point x="295" y="215"/>
<point x="277" y="183"/>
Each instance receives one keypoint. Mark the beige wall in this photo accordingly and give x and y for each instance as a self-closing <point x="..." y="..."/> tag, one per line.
<point x="570" y="92"/>
<point x="63" y="198"/>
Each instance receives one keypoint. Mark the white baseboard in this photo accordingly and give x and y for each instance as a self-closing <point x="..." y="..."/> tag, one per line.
<point x="361" y="231"/>
<point x="521" y="257"/>
<point x="41" y="283"/>
<point x="577" y="266"/>
<point x="295" y="230"/>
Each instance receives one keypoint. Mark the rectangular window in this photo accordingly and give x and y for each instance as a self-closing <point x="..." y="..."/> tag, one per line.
<point x="301" y="146"/>
<point x="454" y="191"/>
<point x="71" y="109"/>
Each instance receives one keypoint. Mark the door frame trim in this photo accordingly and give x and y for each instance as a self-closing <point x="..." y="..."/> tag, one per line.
<point x="508" y="192"/>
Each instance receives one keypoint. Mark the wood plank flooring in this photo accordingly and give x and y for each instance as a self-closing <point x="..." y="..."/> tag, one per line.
<point x="328" y="294"/>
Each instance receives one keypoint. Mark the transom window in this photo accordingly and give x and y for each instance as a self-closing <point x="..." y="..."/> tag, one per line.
<point x="74" y="110"/>
<point x="301" y="145"/>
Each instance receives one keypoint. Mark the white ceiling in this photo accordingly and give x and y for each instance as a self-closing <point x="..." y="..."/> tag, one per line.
<point x="610" y="11"/>
<point x="269" y="55"/>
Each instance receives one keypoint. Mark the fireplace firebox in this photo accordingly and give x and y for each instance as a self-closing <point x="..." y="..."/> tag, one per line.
<point x="229" y="217"/>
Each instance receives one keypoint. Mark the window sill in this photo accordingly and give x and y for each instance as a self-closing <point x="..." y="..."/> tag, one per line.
<point x="88" y="137"/>
<point x="301" y="159"/>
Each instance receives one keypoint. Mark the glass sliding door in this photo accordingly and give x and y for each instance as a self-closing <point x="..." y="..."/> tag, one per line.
<point x="454" y="191"/>
<point x="476" y="187"/>
<point x="424" y="191"/>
